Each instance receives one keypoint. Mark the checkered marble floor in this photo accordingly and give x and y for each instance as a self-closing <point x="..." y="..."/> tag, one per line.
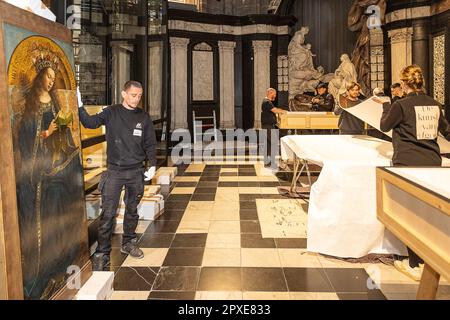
<point x="227" y="234"/>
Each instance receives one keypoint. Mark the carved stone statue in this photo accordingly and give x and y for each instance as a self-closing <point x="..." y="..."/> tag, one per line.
<point x="344" y="75"/>
<point x="358" y="20"/>
<point x="303" y="76"/>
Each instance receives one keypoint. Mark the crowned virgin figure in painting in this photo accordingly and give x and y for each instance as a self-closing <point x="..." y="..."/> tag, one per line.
<point x="48" y="166"/>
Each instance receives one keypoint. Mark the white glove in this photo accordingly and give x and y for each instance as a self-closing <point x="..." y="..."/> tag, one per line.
<point x="80" y="101"/>
<point x="150" y="174"/>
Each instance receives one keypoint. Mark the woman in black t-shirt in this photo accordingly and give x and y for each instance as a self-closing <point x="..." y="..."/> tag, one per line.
<point x="415" y="121"/>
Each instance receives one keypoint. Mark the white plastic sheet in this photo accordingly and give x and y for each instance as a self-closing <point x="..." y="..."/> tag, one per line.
<point x="342" y="216"/>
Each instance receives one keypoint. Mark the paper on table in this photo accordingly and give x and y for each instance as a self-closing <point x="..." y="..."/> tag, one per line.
<point x="371" y="112"/>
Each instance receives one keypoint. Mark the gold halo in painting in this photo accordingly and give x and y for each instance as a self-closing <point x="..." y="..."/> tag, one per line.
<point x="36" y="52"/>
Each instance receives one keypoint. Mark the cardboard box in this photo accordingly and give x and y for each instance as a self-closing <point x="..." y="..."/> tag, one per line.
<point x="150" y="208"/>
<point x="98" y="287"/>
<point x="165" y="175"/>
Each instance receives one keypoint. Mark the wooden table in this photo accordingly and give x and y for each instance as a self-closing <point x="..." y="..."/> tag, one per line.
<point x="414" y="204"/>
<point x="308" y="121"/>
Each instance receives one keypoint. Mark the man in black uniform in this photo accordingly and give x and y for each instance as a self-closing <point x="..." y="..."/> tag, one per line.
<point x="323" y="101"/>
<point x="130" y="140"/>
<point x="269" y="121"/>
<point x="397" y="92"/>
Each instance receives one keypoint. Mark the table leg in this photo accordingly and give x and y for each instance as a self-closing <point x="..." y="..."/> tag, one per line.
<point x="428" y="284"/>
<point x="308" y="173"/>
<point x="294" y="176"/>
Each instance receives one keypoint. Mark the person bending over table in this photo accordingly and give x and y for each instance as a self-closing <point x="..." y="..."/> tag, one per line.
<point x="415" y="121"/>
<point x="348" y="123"/>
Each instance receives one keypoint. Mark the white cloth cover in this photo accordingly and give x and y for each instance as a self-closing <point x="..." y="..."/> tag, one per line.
<point x="342" y="215"/>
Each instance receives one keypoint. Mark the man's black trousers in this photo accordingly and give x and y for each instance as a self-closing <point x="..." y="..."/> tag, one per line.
<point x="111" y="185"/>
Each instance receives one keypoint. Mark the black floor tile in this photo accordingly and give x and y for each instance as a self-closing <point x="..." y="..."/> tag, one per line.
<point x="186" y="184"/>
<point x="229" y="174"/>
<point x="179" y="197"/>
<point x="211" y="174"/>
<point x="249" y="197"/>
<point x="249" y="184"/>
<point x="228" y="184"/>
<point x="230" y="166"/>
<point x="192" y="174"/>
<point x="205" y="190"/>
<point x="213" y="167"/>
<point x="207" y="184"/>
<point x="263" y="279"/>
<point x="177" y="279"/>
<point x="256" y="241"/>
<point x="163" y="227"/>
<point x="372" y="295"/>
<point x="190" y="240"/>
<point x="135" y="279"/>
<point x="269" y="184"/>
<point x="348" y="280"/>
<point x="184" y="257"/>
<point x="172" y="295"/>
<point x="307" y="280"/>
<point x="250" y="214"/>
<point x="157" y="240"/>
<point x="246" y="166"/>
<point x="117" y="258"/>
<point x="220" y="279"/>
<point x="171" y="215"/>
<point x="206" y="178"/>
<point x="247" y="205"/>
<point x="203" y="197"/>
<point x="250" y="227"/>
<point x="290" y="243"/>
<point x="176" y="205"/>
<point x="248" y="175"/>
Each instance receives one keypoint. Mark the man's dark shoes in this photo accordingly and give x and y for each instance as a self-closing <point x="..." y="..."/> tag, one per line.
<point x="133" y="250"/>
<point x="101" y="262"/>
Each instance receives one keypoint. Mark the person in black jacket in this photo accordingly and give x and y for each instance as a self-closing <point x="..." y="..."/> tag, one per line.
<point x="397" y="92"/>
<point x="131" y="140"/>
<point x="323" y="101"/>
<point x="415" y="121"/>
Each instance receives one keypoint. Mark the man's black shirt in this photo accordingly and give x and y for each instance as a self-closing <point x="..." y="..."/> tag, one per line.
<point x="130" y="135"/>
<point x="267" y="116"/>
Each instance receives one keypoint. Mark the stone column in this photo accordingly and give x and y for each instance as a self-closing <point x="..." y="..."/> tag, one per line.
<point x="155" y="70"/>
<point x="179" y="82"/>
<point x="261" y="69"/>
<point x="226" y="57"/>
<point x="401" y="51"/>
<point x="420" y="48"/>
